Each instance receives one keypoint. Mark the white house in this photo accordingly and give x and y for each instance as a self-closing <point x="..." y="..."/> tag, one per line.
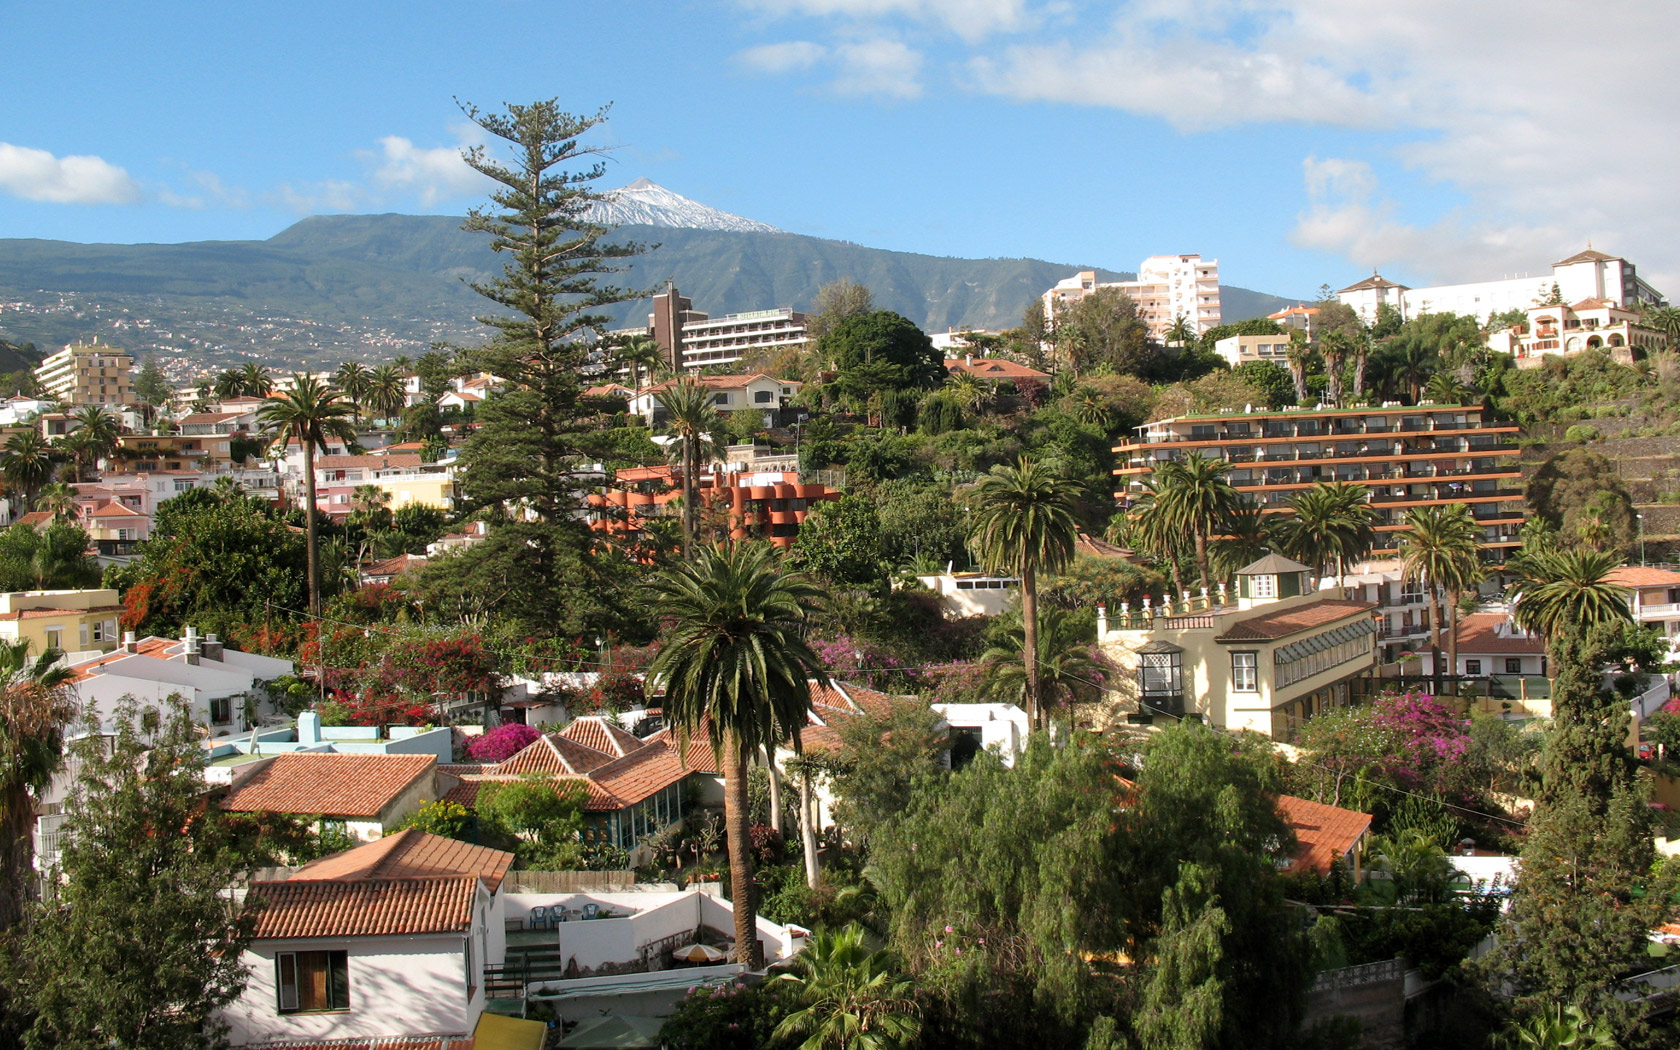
<point x="384" y="940"/>
<point x="757" y="392"/>
<point x="971" y="593"/>
<point x="214" y="680"/>
<point x="982" y="727"/>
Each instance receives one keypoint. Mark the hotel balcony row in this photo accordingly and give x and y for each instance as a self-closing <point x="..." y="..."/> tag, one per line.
<point x="1137" y="458"/>
<point x="1313" y="424"/>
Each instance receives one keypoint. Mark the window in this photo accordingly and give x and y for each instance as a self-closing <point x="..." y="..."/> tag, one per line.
<point x="55" y="638"/>
<point x="1513" y="665"/>
<point x="183" y="486"/>
<point x="1472" y="667"/>
<point x="312" y="981"/>
<point x="764" y="397"/>
<point x="720" y="399"/>
<point x="1161" y="682"/>
<point x="1245" y="672"/>
<point x="1264" y="586"/>
<point x="221" y="710"/>
<point x="472" y="976"/>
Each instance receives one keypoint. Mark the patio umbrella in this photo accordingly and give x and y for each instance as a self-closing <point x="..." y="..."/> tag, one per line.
<point x="697" y="953"/>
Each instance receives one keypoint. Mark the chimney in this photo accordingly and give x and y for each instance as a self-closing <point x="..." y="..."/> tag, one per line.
<point x="212" y="648"/>
<point x="968" y="360"/>
<point x="129" y="644"/>
<point x="189" y="645"/>
<point x="309" y="728"/>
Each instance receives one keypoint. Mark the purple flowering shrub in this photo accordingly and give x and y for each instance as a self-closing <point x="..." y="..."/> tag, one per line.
<point x="728" y="1018"/>
<point x="502" y="742"/>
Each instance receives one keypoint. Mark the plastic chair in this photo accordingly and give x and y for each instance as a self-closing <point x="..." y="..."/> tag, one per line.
<point x="539" y="918"/>
<point x="591" y="910"/>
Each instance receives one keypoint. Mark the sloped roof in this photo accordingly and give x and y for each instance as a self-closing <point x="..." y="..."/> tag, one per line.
<point x="556" y="755"/>
<point x="1271" y="565"/>
<point x="114" y="509"/>
<point x="1282" y="623"/>
<point x="1587" y="256"/>
<point x="993" y="368"/>
<point x="369" y="461"/>
<point x="1373" y="281"/>
<point x="365" y="907"/>
<point x="395" y="566"/>
<point x="1324" y="833"/>
<point x="735" y="382"/>
<point x="42" y="614"/>
<point x="1083" y="544"/>
<point x="1479" y="633"/>
<point x="412" y="853"/>
<point x="1642" y="576"/>
<point x="335" y="785"/>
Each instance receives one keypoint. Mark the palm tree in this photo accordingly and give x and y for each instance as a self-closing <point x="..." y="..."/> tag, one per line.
<point x="1330" y="527"/>
<point x="1091" y="408"/>
<point x="97" y="430"/>
<point x="387" y="391"/>
<point x="1665" y="319"/>
<point x="34" y="709"/>
<point x="57" y="499"/>
<point x="1363" y="344"/>
<point x="734" y="664"/>
<point x="1567" y="587"/>
<point x="1069" y="670"/>
<point x="1247" y="537"/>
<point x="1299" y="356"/>
<point x="1556" y="1027"/>
<point x="26" y="462"/>
<point x="636" y="352"/>
<point x="1336" y="347"/>
<point x="1195" y="494"/>
<point x="690" y="415"/>
<point x="1024" y="524"/>
<point x="1181" y="332"/>
<point x="354" y="378"/>
<point x="309" y="413"/>
<point x="1441" y="551"/>
<point x="258" y="383"/>
<point x="230" y="384"/>
<point x="1147" y="529"/>
<point x="1444" y="388"/>
<point x="966" y="391"/>
<point x="850" y="998"/>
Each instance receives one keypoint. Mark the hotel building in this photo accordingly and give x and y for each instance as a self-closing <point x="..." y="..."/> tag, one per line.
<point x="1167" y="287"/>
<point x="1586" y="275"/>
<point x="1417" y="456"/>
<point x="87" y="375"/>
<point x="692" y="339"/>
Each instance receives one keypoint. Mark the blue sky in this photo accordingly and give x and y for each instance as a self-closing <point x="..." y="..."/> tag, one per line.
<point x="1298" y="141"/>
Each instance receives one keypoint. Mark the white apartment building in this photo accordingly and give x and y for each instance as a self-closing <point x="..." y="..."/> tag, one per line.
<point x="1585" y="275"/>
<point x="1167" y="287"/>
<point x="690" y="339"/>
<point x="1591" y="324"/>
<point x="87" y="375"/>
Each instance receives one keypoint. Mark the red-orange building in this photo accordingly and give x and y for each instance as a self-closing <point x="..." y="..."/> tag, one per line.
<point x="770" y="504"/>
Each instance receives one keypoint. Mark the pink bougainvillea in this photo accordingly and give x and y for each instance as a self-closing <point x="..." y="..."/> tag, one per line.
<point x="502" y="742"/>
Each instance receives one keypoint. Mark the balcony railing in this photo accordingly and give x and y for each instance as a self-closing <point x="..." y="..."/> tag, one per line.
<point x="1665" y="611"/>
<point x="1338" y="429"/>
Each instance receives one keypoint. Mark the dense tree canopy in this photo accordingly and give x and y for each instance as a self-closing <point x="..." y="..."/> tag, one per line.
<point x="878" y="351"/>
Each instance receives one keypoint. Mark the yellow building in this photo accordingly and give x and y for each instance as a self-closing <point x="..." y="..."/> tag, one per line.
<point x="88" y="375"/>
<point x="1266" y="660"/>
<point x="71" y="621"/>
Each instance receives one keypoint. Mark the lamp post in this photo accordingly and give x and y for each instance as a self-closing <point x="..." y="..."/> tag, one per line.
<point x="1641" y="518"/>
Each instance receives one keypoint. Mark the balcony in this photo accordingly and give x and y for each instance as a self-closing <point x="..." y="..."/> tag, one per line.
<point x="1665" y="611"/>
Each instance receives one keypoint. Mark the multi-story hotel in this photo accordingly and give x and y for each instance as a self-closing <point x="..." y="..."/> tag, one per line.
<point x="1167" y="287"/>
<point x="88" y="375"/>
<point x="692" y="339"/>
<point x="1405" y="457"/>
<point x="1584" y="275"/>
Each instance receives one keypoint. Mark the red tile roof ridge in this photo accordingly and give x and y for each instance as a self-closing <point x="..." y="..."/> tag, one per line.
<point x="411" y="853"/>
<point x="1281" y="623"/>
<point x="331" y="784"/>
<point x="306" y="908"/>
<point x="1323" y="832"/>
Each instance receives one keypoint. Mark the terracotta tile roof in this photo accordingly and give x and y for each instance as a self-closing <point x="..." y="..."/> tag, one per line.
<point x="993" y="368"/>
<point x="1267" y="626"/>
<point x="370" y="461"/>
<point x="1479" y="633"/>
<point x="395" y="566"/>
<point x="1593" y="304"/>
<point x="331" y="784"/>
<point x="601" y="734"/>
<point x="1324" y="832"/>
<point x="411" y="854"/>
<point x="153" y="647"/>
<point x="36" y="519"/>
<point x="609" y="390"/>
<point x="1084" y="544"/>
<point x="114" y="509"/>
<point x="555" y="755"/>
<point x="466" y="793"/>
<point x="721" y="382"/>
<point x="365" y="907"/>
<point x="206" y="417"/>
<point x="1643" y="576"/>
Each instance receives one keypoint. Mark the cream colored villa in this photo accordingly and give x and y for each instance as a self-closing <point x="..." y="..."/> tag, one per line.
<point x="1266" y="661"/>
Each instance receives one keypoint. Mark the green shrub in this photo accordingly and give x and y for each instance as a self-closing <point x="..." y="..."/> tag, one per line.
<point x="1582" y="433"/>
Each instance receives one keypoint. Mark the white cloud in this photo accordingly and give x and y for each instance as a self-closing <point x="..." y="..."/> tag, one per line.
<point x="1546" y="120"/>
<point x="331" y="195"/>
<point x="783" y="57"/>
<point x="36" y="175"/>
<point x="879" y="67"/>
<point x="433" y="175"/>
<point x="969" y="19"/>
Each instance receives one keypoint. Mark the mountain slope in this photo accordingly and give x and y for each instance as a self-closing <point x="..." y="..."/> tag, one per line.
<point x="374" y="286"/>
<point x="646" y="203"/>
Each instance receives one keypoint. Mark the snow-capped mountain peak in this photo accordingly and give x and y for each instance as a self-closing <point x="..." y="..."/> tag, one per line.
<point x="647" y="203"/>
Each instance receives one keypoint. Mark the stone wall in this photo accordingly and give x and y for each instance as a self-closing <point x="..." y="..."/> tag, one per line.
<point x="1374" y="994"/>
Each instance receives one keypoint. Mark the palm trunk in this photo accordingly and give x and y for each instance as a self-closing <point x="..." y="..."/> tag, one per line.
<point x="1435" y="634"/>
<point x="1452" y="632"/>
<point x="734" y="770"/>
<point x="1029" y="649"/>
<point x="691" y="491"/>
<point x="1202" y="562"/>
<point x="15" y="851"/>
<point x="775" y="790"/>
<point x="808" y="827"/>
<point x="309" y="528"/>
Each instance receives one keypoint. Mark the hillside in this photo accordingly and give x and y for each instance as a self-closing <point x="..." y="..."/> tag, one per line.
<point x="374" y="286"/>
